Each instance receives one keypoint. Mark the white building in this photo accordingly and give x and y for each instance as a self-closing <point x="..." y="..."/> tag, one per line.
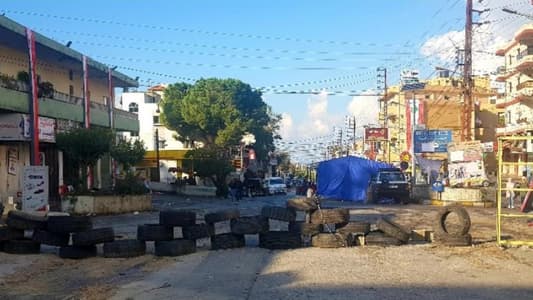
<point x="171" y="151"/>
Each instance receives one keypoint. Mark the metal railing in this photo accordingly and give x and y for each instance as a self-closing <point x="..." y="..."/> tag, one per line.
<point x="500" y="215"/>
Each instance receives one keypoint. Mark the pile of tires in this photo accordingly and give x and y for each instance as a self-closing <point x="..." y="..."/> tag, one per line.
<point x="238" y="228"/>
<point x="457" y="235"/>
<point x="330" y="221"/>
<point x="79" y="229"/>
<point x="274" y="240"/>
<point x="162" y="234"/>
<point x="12" y="238"/>
<point x="388" y="233"/>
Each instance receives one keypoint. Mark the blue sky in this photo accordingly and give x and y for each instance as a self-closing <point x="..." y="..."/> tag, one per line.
<point x="311" y="45"/>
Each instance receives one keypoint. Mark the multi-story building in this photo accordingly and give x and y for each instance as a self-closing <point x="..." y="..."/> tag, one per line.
<point x="517" y="74"/>
<point x="61" y="107"/>
<point x="440" y="104"/>
<point x="170" y="152"/>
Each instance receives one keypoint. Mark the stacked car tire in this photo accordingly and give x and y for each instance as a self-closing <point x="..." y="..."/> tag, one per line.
<point x="227" y="240"/>
<point x="286" y="239"/>
<point x="457" y="235"/>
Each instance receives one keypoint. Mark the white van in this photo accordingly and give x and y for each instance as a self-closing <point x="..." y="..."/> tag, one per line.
<point x="274" y="185"/>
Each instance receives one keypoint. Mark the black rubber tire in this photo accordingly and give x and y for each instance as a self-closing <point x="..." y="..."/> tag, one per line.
<point x="279" y="213"/>
<point x="249" y="225"/>
<point x="329" y="240"/>
<point x="280" y="240"/>
<point x="25" y="221"/>
<point x="393" y="230"/>
<point x="222" y="215"/>
<point x="93" y="237"/>
<point x="68" y="224"/>
<point x="194" y="232"/>
<point x="455" y="241"/>
<point x="330" y="216"/>
<point x="155" y="232"/>
<point x="180" y="218"/>
<point x="377" y="238"/>
<point x="357" y="227"/>
<point x="227" y="241"/>
<point x="22" y="246"/>
<point x="175" y="247"/>
<point x="124" y="248"/>
<point x="50" y="238"/>
<point x="303" y="228"/>
<point x="74" y="252"/>
<point x="9" y="233"/>
<point x="464" y="221"/>
<point x="302" y="204"/>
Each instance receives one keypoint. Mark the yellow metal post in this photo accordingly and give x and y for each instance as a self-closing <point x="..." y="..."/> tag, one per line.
<point x="499" y="214"/>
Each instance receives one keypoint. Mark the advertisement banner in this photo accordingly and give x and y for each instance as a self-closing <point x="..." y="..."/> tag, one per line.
<point x="466" y="173"/>
<point x="12" y="127"/>
<point x="432" y="140"/>
<point x="35" y="188"/>
<point x="376" y="134"/>
<point x="465" y="151"/>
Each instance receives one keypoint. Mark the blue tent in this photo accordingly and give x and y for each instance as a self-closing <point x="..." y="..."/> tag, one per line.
<point x="346" y="178"/>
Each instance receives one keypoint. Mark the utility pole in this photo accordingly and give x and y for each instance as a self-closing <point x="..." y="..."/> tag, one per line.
<point x="382" y="85"/>
<point x="466" y="128"/>
<point x="157" y="178"/>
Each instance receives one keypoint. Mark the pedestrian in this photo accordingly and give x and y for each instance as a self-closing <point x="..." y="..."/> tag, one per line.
<point x="509" y="194"/>
<point x="233" y="186"/>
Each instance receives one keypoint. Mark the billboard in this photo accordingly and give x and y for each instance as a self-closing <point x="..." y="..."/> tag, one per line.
<point x="432" y="141"/>
<point x="376" y="134"/>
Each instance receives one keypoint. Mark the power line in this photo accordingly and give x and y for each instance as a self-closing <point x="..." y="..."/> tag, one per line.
<point x="190" y="30"/>
<point x="226" y="48"/>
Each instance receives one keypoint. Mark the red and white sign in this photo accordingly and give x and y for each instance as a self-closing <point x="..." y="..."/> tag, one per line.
<point x="46" y="127"/>
<point x="376" y="134"/>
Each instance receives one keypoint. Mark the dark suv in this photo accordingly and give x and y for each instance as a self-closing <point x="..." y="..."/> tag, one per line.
<point x="389" y="183"/>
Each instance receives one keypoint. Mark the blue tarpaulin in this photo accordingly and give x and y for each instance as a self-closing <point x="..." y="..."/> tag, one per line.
<point x="346" y="178"/>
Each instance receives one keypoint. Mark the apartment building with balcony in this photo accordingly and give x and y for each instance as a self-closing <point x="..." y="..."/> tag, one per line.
<point x="517" y="101"/>
<point x="61" y="107"/>
<point x="160" y="142"/>
<point x="440" y="104"/>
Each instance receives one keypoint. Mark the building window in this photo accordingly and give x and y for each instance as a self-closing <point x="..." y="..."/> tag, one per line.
<point x="134" y="133"/>
<point x="133" y="108"/>
<point x="510" y="59"/>
<point x="70" y="75"/>
<point x="71" y="90"/>
<point x="510" y="87"/>
<point x="156" y="119"/>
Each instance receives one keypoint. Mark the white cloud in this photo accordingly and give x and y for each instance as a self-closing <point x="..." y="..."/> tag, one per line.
<point x="286" y="125"/>
<point x="365" y="109"/>
<point x="486" y="38"/>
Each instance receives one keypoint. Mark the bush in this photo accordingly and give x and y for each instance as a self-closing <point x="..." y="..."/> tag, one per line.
<point x="130" y="185"/>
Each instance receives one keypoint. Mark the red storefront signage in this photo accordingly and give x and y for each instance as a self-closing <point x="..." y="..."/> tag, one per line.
<point x="376" y="134"/>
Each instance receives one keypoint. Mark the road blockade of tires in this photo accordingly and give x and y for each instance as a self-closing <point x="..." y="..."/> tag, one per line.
<point x="324" y="228"/>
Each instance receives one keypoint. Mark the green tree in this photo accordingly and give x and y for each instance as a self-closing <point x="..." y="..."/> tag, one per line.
<point x="217" y="112"/>
<point x="128" y="153"/>
<point x="83" y="147"/>
<point x="209" y="163"/>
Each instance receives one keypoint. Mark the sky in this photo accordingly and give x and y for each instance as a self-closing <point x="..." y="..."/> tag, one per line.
<point x="316" y="61"/>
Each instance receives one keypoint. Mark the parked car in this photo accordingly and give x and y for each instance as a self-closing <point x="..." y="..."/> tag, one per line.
<point x="389" y="183"/>
<point x="274" y="185"/>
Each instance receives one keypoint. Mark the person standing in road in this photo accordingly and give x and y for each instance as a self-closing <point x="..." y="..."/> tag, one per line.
<point x="509" y="194"/>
